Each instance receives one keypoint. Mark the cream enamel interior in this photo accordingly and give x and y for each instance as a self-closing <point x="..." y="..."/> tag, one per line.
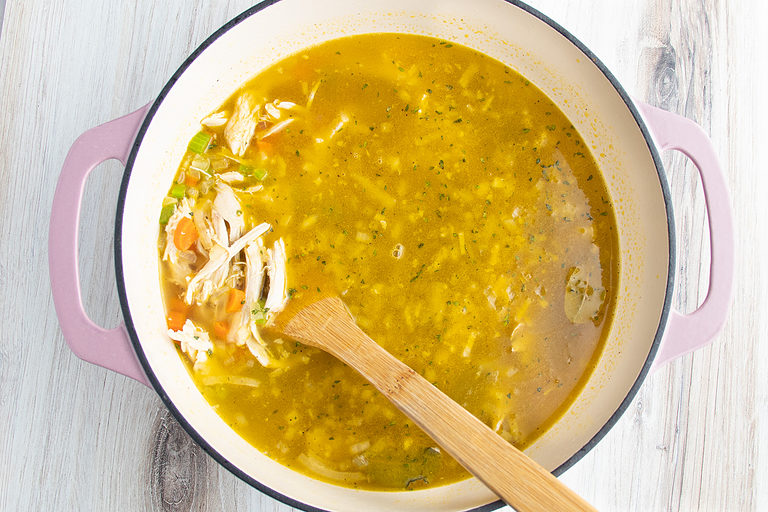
<point x="498" y="29"/>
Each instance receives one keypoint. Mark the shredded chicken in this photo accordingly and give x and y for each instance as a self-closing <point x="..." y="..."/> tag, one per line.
<point x="249" y="330"/>
<point x="179" y="273"/>
<point x="202" y="284"/>
<point x="210" y="278"/>
<point x="219" y="242"/>
<point x="231" y="177"/>
<point x="171" y="252"/>
<point x="194" y="341"/>
<point x="258" y="347"/>
<point x="227" y="205"/>
<point x="217" y="119"/>
<point x="219" y="227"/>
<point x="272" y="110"/>
<point x="254" y="274"/>
<point x="254" y="189"/>
<point x="277" y="127"/>
<point x="242" y="124"/>
<point x="205" y="231"/>
<point x="277" y="296"/>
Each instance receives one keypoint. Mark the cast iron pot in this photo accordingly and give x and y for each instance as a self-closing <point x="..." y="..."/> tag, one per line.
<point x="625" y="137"/>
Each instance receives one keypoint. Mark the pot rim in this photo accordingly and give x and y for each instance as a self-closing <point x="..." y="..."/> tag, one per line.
<point x="201" y="441"/>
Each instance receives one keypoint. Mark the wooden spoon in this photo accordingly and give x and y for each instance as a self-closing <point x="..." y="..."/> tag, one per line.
<point x="517" y="479"/>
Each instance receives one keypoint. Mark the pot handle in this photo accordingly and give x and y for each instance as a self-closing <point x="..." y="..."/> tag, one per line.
<point x="110" y="348"/>
<point x="686" y="333"/>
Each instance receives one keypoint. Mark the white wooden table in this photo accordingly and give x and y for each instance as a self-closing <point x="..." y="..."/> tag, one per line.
<point x="76" y="437"/>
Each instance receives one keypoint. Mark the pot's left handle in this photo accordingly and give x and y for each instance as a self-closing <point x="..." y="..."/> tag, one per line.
<point x="686" y="333"/>
<point x="110" y="348"/>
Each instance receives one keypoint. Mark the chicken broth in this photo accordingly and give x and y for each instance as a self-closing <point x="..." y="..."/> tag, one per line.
<point x="445" y="198"/>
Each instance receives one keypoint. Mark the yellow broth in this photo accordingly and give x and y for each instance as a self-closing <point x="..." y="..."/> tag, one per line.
<point x="464" y="222"/>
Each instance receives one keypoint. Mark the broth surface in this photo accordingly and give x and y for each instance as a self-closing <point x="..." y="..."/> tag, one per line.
<point x="456" y="211"/>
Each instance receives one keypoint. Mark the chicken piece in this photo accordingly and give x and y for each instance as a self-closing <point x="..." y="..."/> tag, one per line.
<point x="205" y="281"/>
<point x="272" y="111"/>
<point x="211" y="277"/>
<point x="254" y="280"/>
<point x="222" y="211"/>
<point x="231" y="177"/>
<point x="228" y="207"/>
<point x="206" y="235"/>
<point x="180" y="271"/>
<point x="583" y="299"/>
<point x="254" y="189"/>
<point x="219" y="225"/>
<point x="216" y="120"/>
<point x="258" y="347"/>
<point x="249" y="330"/>
<point x="219" y="239"/>
<point x="287" y="105"/>
<point x="276" y="128"/>
<point x="277" y="296"/>
<point x="171" y="252"/>
<point x="193" y="340"/>
<point x="242" y="124"/>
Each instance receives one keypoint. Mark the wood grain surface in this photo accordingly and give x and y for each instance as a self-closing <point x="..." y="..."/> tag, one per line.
<point x="77" y="437"/>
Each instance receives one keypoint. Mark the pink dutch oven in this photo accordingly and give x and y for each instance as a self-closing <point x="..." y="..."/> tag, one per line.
<point x="625" y="136"/>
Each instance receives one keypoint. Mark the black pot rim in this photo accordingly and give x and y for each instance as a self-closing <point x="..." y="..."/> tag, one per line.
<point x="200" y="440"/>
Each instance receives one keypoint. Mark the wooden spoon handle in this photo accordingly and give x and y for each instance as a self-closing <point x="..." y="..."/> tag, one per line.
<point x="514" y="477"/>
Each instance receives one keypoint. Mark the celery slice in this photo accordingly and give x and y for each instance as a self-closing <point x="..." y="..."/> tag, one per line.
<point x="178" y="190"/>
<point x="257" y="173"/>
<point x="166" y="213"/>
<point x="199" y="142"/>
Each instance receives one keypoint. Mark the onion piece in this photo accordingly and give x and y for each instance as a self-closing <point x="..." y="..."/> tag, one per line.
<point x="315" y="465"/>
<point x="232" y="380"/>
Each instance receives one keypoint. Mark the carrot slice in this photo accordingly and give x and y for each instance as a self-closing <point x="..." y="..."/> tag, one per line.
<point x="176" y="304"/>
<point x="265" y="147"/>
<point x="185" y="234"/>
<point x="220" y="330"/>
<point x="190" y="180"/>
<point x="235" y="301"/>
<point x="175" y="320"/>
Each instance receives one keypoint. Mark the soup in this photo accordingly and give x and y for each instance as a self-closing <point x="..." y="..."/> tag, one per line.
<point x="446" y="199"/>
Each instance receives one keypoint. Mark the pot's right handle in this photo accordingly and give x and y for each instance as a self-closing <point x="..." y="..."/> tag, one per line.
<point x="110" y="348"/>
<point x="686" y="333"/>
